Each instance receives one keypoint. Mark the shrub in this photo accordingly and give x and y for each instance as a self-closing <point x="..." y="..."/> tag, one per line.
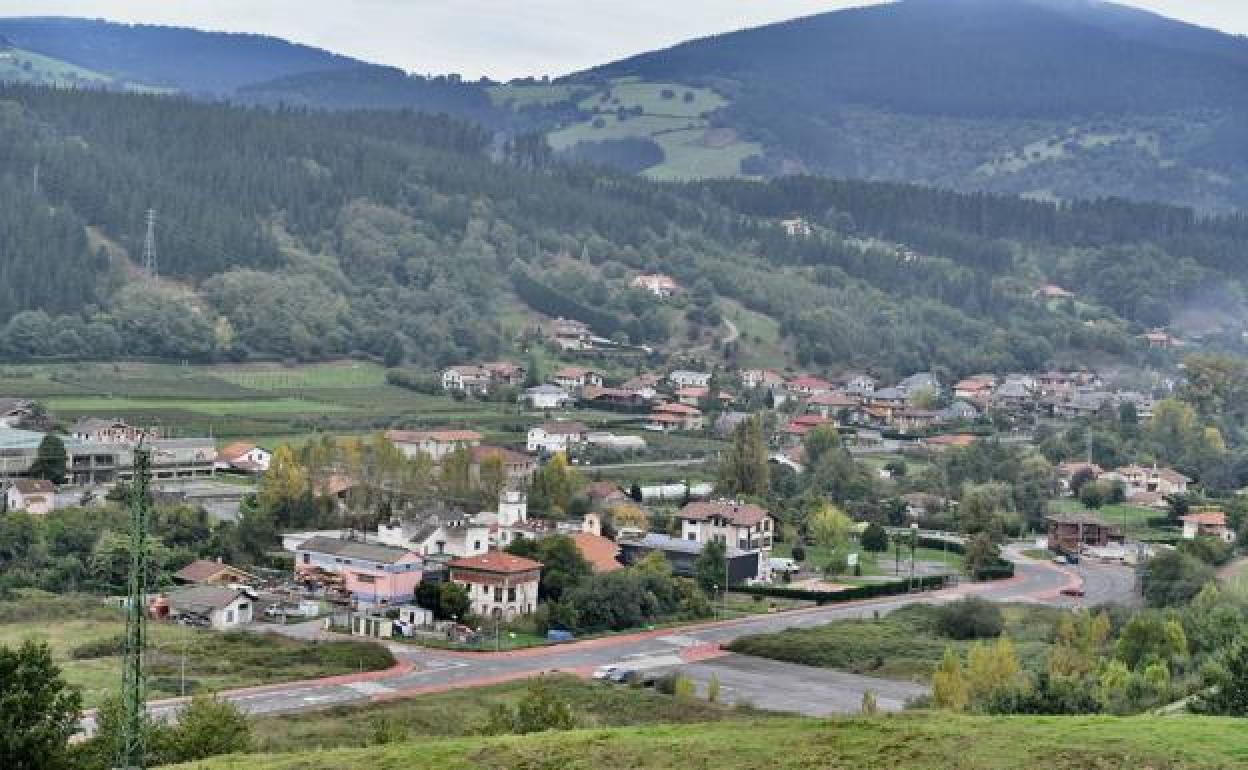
<point x="970" y="619"/>
<point x="98" y="648"/>
<point x="799" y="553"/>
<point x="874" y="538"/>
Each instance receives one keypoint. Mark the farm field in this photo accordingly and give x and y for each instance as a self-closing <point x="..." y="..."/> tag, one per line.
<point x="676" y="123"/>
<point x="272" y="403"/>
<point x="918" y="741"/>
<point x="84" y="636"/>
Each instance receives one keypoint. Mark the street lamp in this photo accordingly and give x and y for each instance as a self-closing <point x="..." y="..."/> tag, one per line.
<point x="914" y="542"/>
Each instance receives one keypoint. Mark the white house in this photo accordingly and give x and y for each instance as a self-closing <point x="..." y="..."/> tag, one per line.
<point x="1207" y="524"/>
<point x="739" y="525"/>
<point x="554" y="437"/>
<point x="861" y="385"/>
<point x="546" y="397"/>
<point x="435" y="443"/>
<point x="212" y="606"/>
<point x="30" y="495"/>
<point x="499" y="584"/>
<point x="243" y="456"/>
<point x="658" y="284"/>
<point x="575" y="378"/>
<point x="469" y="378"/>
<point x="686" y="379"/>
<point x="447" y="532"/>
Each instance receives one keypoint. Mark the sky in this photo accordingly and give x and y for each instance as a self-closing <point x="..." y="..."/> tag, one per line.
<point x="504" y="38"/>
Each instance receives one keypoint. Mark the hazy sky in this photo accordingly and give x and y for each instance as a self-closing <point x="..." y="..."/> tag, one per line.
<point x="504" y="38"/>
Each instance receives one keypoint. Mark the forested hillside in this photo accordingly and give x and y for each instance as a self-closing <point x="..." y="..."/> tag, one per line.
<point x="1051" y="99"/>
<point x="385" y="233"/>
<point x="1067" y="98"/>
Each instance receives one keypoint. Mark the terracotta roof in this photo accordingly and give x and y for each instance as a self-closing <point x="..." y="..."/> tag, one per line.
<point x="692" y="392"/>
<point x="833" y="398"/>
<point x="1208" y="518"/>
<point x="203" y="570"/>
<point x="234" y="451"/>
<point x="573" y="371"/>
<point x="741" y="514"/>
<point x="599" y="551"/>
<point x="509" y="456"/>
<point x="677" y="409"/>
<point x="807" y="382"/>
<point x="496" y="561"/>
<point x="417" y="436"/>
<point x="959" y="440"/>
<point x="603" y="490"/>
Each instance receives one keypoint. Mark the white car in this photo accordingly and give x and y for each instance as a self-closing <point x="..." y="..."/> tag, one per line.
<point x="604" y="672"/>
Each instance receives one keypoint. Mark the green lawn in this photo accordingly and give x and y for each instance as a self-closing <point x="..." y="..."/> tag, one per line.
<point x="691" y="148"/>
<point x="909" y="742"/>
<point x="102" y="405"/>
<point x="1134" y="519"/>
<point x="905" y="644"/>
<point x="346" y="374"/>
<point x="84" y="636"/>
<point x="463" y="712"/>
<point x="873" y="564"/>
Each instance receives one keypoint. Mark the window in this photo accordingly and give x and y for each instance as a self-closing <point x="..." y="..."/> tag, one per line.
<point x="307" y="558"/>
<point x="229" y="616"/>
<point x="368" y="579"/>
<point x="498" y="594"/>
<point x="476" y="545"/>
<point x="511" y="594"/>
<point x="693" y="535"/>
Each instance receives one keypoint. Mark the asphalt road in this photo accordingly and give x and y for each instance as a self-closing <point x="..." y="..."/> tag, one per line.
<point x="765" y="683"/>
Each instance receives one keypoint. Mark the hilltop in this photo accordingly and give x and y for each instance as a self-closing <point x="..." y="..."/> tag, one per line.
<point x="910" y="742"/>
<point x="1051" y="99"/>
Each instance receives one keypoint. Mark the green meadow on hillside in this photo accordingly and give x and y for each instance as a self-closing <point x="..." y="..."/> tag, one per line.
<point x="909" y="742"/>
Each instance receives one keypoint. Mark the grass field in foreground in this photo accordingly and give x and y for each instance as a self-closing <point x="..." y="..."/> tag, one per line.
<point x="907" y="742"/>
<point x="464" y="712"/>
<point x="84" y="636"/>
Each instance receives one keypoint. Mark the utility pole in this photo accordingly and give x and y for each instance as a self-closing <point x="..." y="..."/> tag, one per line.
<point x="149" y="245"/>
<point x="133" y="741"/>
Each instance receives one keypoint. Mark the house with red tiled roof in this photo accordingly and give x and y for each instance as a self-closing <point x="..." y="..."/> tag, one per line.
<point x="807" y="385"/>
<point x="744" y="526"/>
<point x="577" y="377"/>
<point x="831" y="404"/>
<point x="245" y="457"/>
<point x="658" y="284"/>
<point x="667" y="417"/>
<point x="599" y="551"/>
<point x="499" y="584"/>
<point x="518" y="466"/>
<point x="1207" y="524"/>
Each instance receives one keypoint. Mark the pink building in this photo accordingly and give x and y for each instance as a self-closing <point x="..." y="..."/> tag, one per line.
<point x="378" y="574"/>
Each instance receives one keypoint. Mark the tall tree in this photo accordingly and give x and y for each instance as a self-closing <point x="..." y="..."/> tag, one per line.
<point x="284" y="481"/>
<point x="710" y="568"/>
<point x="51" y="459"/>
<point x="38" y="711"/>
<point x="745" y="469"/>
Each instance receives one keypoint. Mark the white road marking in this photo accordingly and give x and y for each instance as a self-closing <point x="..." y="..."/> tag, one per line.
<point x="370" y="688"/>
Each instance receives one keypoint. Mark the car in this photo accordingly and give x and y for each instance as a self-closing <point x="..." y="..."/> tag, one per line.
<point x="604" y="672"/>
<point x="1077" y="593"/>
<point x="619" y="676"/>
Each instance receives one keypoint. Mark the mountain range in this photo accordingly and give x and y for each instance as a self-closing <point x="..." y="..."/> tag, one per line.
<point x="1051" y="99"/>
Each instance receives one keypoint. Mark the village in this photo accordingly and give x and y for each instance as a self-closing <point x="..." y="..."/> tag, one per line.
<point x="446" y="563"/>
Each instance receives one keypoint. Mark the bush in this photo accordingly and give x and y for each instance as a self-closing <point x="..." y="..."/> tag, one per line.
<point x="799" y="553"/>
<point x="99" y="648"/>
<point x="868" y="591"/>
<point x="1210" y="550"/>
<point x="1173" y="578"/>
<point x="874" y="538"/>
<point x="970" y="619"/>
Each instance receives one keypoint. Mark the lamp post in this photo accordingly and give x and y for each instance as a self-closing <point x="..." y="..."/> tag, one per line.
<point x="914" y="542"/>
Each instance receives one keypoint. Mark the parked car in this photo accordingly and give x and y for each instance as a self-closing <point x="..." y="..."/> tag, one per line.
<point x="604" y="672"/>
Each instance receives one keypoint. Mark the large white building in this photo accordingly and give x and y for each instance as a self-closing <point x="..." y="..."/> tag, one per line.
<point x="555" y="437"/>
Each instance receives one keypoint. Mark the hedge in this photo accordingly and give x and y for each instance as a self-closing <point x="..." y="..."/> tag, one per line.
<point x="865" y="591"/>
